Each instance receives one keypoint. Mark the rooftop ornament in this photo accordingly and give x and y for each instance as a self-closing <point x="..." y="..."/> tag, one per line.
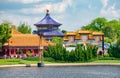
<point x="47" y="11"/>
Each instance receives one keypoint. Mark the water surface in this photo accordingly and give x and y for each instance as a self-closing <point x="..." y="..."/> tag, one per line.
<point x="61" y="72"/>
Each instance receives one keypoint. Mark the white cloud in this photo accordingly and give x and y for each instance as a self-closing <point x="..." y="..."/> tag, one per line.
<point x="55" y="7"/>
<point x="2" y="12"/>
<point x="25" y="1"/>
<point x="104" y="2"/>
<point x="17" y="19"/>
<point x="109" y="10"/>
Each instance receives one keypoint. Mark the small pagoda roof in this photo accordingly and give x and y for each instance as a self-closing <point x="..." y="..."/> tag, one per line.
<point x="84" y="31"/>
<point x="65" y="39"/>
<point x="70" y="33"/>
<point x="53" y="33"/>
<point x="97" y="33"/>
<point x="47" y="20"/>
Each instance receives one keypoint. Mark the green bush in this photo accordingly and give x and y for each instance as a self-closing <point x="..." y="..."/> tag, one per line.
<point x="32" y="58"/>
<point x="106" y="55"/>
<point x="114" y="51"/>
<point x="81" y="53"/>
<point x="49" y="59"/>
<point x="107" y="58"/>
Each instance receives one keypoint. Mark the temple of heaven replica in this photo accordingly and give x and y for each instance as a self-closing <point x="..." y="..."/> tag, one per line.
<point x="48" y="27"/>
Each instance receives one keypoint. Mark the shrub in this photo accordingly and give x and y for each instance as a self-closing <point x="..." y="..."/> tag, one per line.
<point x="114" y="51"/>
<point x="106" y="55"/>
<point x="49" y="59"/>
<point x="32" y="58"/>
<point x="81" y="53"/>
<point x="107" y="58"/>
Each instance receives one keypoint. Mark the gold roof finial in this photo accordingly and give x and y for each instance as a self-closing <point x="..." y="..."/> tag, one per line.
<point x="47" y="11"/>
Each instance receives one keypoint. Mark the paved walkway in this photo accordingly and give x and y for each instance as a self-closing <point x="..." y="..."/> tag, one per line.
<point x="64" y="64"/>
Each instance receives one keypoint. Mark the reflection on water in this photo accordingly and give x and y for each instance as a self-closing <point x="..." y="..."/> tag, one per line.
<point x="61" y="72"/>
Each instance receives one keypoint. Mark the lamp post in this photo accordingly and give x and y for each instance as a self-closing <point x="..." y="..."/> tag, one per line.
<point x="40" y="63"/>
<point x="103" y="44"/>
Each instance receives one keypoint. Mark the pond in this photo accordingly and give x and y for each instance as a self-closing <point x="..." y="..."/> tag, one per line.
<point x="61" y="72"/>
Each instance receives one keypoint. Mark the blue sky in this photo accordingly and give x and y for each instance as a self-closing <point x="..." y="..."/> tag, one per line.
<point x="73" y="14"/>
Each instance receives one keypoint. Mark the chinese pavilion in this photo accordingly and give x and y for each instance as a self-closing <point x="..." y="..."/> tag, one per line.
<point x="83" y="37"/>
<point x="48" y="27"/>
<point x="27" y="43"/>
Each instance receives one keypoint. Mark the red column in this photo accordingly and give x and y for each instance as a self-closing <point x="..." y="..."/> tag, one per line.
<point x="14" y="52"/>
<point x="38" y="52"/>
<point x="26" y="51"/>
<point x="5" y="51"/>
<point x="32" y="52"/>
<point x="9" y="51"/>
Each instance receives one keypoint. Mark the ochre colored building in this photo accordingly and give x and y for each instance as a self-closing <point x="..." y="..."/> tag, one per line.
<point x="83" y="37"/>
<point x="26" y="43"/>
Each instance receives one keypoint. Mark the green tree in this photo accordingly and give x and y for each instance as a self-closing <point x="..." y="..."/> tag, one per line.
<point x="64" y="31"/>
<point x="24" y="28"/>
<point x="96" y="25"/>
<point x="118" y="42"/>
<point x="5" y="32"/>
<point x="108" y="31"/>
<point x="57" y="40"/>
<point x="115" y="25"/>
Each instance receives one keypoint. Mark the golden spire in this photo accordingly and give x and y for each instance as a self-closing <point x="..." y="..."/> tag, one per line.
<point x="47" y="11"/>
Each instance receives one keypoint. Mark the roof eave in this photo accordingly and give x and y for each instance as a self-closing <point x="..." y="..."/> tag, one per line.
<point x="47" y="25"/>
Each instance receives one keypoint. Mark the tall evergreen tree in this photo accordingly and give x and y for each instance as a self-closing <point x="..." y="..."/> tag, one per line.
<point x="24" y="28"/>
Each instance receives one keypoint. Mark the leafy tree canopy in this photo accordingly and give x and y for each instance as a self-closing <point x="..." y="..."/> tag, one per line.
<point x="57" y="40"/>
<point x="24" y="28"/>
<point x="5" y="32"/>
<point x="97" y="24"/>
<point x="64" y="31"/>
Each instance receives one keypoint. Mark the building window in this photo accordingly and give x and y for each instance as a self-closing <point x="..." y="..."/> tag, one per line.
<point x="84" y="37"/>
<point x="71" y="39"/>
<point x="55" y="28"/>
<point x="48" y="38"/>
<point x="97" y="38"/>
<point x="42" y="28"/>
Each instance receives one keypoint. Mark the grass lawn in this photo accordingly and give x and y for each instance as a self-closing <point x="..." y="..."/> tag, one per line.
<point x="20" y="61"/>
<point x="106" y="61"/>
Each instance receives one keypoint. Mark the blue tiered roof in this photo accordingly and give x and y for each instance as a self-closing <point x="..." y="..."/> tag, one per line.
<point x="49" y="22"/>
<point x="53" y="33"/>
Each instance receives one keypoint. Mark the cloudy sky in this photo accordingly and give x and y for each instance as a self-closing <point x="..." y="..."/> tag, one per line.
<point x="73" y="14"/>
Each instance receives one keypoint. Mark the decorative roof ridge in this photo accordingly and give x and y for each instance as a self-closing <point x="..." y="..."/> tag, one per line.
<point x="14" y="31"/>
<point x="84" y="31"/>
<point x="98" y="33"/>
<point x="70" y="33"/>
<point x="24" y="34"/>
